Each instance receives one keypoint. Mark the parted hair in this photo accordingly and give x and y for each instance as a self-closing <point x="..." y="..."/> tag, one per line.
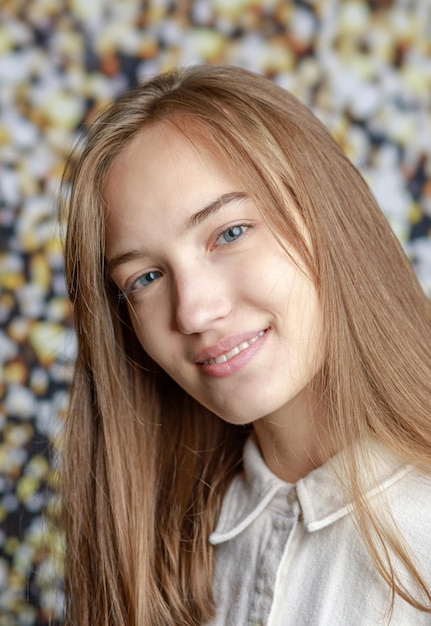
<point x="144" y="466"/>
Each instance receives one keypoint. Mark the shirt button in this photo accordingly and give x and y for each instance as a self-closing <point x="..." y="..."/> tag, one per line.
<point x="292" y="496"/>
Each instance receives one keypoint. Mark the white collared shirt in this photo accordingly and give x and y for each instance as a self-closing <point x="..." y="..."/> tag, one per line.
<point x="290" y="555"/>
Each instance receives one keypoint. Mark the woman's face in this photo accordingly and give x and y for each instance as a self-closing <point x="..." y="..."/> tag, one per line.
<point x="214" y="300"/>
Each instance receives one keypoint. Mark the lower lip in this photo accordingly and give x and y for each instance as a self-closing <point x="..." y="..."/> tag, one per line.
<point x="236" y="363"/>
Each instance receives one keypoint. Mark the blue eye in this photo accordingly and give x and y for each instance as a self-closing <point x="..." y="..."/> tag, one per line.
<point x="231" y="234"/>
<point x="146" y="279"/>
<point x="142" y="281"/>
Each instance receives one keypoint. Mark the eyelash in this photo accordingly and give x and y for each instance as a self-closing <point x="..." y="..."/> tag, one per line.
<point x="243" y="228"/>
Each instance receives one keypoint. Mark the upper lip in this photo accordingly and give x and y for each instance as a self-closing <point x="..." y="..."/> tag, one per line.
<point x="225" y="345"/>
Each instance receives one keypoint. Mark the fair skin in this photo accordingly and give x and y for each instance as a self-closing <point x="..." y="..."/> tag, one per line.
<point x="214" y="300"/>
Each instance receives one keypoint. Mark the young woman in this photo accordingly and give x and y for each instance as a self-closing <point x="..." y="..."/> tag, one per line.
<point x="249" y="438"/>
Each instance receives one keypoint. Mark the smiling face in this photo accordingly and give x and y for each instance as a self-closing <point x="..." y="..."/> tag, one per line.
<point x="213" y="298"/>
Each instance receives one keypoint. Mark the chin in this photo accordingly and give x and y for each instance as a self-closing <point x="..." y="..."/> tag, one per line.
<point x="236" y="420"/>
<point x="241" y="417"/>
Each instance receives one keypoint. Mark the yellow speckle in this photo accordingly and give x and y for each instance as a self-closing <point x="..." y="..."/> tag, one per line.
<point x="11" y="544"/>
<point x="155" y="13"/>
<point x="415" y="213"/>
<point x="64" y="110"/>
<point x="53" y="246"/>
<point x="18" y="435"/>
<point x="4" y="133"/>
<point x="27" y="487"/>
<point x="3" y="513"/>
<point x="6" y="41"/>
<point x="6" y="300"/>
<point x="40" y="271"/>
<point x="18" y="329"/>
<point x="46" y="339"/>
<point x="11" y="280"/>
<point x="59" y="309"/>
<point x="15" y="373"/>
<point x="37" y="467"/>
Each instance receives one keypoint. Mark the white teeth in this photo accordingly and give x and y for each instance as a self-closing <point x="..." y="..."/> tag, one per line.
<point x="228" y="355"/>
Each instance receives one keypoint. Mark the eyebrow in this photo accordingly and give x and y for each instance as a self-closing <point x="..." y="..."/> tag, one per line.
<point x="193" y="220"/>
<point x="213" y="207"/>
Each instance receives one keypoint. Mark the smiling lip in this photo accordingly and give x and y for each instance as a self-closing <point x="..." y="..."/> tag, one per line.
<point x="231" y="355"/>
<point x="236" y="350"/>
<point x="227" y="349"/>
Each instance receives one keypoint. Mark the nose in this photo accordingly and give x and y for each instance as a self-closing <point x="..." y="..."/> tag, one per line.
<point x="201" y="300"/>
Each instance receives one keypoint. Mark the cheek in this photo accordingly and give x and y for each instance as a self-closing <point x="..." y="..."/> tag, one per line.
<point x="311" y="333"/>
<point x="153" y="333"/>
<point x="148" y="330"/>
<point x="303" y="320"/>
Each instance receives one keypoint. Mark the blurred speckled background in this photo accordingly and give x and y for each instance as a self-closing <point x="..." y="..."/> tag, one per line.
<point x="363" y="66"/>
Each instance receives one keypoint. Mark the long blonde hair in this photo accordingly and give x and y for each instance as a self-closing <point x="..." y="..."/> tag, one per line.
<point x="144" y="466"/>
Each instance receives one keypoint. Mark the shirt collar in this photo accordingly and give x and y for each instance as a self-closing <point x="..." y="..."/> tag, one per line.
<point x="321" y="500"/>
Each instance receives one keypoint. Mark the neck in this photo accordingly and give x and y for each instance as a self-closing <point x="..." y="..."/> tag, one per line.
<point x="291" y="440"/>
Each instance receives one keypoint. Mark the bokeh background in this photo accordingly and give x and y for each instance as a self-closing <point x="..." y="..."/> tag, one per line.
<point x="364" y="67"/>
